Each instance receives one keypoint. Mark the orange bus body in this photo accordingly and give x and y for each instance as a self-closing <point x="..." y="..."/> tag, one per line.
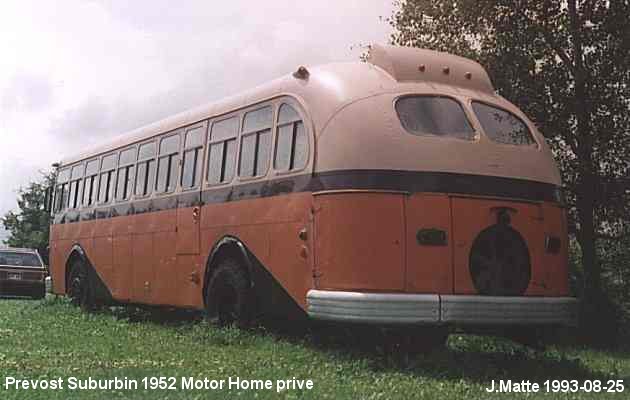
<point x="378" y="226"/>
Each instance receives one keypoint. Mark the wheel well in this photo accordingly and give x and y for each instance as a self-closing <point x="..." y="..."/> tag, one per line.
<point x="230" y="248"/>
<point x="75" y="254"/>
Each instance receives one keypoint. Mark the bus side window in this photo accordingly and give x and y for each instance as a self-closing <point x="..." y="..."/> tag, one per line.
<point x="106" y="181"/>
<point x="76" y="177"/>
<point x="193" y="157"/>
<point x="255" y="143"/>
<point x="89" y="183"/>
<point x="168" y="162"/>
<point x="61" y="195"/>
<point x="145" y="172"/>
<point x="125" y="176"/>
<point x="291" y="142"/>
<point x="222" y="151"/>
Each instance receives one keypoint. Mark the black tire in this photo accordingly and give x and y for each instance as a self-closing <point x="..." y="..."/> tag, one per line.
<point x="80" y="288"/>
<point x="228" y="296"/>
<point x="424" y="340"/>
<point x="39" y="293"/>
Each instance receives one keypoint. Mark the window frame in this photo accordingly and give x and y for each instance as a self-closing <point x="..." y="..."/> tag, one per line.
<point x="143" y="160"/>
<point x="109" y="201"/>
<point x="300" y="111"/>
<point x="535" y="145"/>
<point x="59" y="206"/>
<point x="160" y="138"/>
<point x="204" y="146"/>
<point x="79" y="188"/>
<point x="464" y="106"/>
<point x="209" y="142"/>
<point x="242" y="134"/>
<point x="133" y="164"/>
<point x="96" y="176"/>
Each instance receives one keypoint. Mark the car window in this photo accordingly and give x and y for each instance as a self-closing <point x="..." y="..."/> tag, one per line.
<point x="15" y="259"/>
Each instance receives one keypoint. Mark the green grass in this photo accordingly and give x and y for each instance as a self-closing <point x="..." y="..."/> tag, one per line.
<point x="51" y="339"/>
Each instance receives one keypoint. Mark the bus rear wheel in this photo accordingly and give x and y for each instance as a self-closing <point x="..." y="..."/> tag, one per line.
<point x="419" y="340"/>
<point x="228" y="295"/>
<point x="80" y="289"/>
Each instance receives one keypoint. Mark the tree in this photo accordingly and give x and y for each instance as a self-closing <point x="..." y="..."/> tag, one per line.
<point x="29" y="226"/>
<point x="566" y="65"/>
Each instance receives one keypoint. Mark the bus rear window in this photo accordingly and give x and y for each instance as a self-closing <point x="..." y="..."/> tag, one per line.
<point x="502" y="126"/>
<point x="434" y="115"/>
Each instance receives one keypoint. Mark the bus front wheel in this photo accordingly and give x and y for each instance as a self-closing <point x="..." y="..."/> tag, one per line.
<point x="80" y="289"/>
<point x="228" y="295"/>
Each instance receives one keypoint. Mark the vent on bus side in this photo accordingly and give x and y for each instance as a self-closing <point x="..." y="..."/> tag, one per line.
<point x="500" y="262"/>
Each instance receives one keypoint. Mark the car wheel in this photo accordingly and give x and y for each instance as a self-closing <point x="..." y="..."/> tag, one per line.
<point x="228" y="295"/>
<point x="80" y="289"/>
<point x="39" y="293"/>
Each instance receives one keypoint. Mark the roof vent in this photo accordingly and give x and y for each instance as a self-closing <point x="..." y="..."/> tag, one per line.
<point x="301" y="73"/>
<point x="410" y="64"/>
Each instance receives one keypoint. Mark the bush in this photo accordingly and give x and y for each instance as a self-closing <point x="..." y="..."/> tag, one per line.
<point x="604" y="318"/>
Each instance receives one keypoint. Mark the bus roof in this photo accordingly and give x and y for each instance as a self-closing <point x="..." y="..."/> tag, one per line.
<point x="326" y="89"/>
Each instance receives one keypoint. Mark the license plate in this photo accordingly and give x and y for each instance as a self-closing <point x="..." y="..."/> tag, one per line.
<point x="16" y="276"/>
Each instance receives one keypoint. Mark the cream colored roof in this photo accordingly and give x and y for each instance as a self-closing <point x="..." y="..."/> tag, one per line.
<point x="351" y="109"/>
<point x="326" y="90"/>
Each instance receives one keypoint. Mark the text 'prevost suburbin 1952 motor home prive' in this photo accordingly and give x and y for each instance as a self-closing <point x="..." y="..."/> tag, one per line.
<point x="398" y="191"/>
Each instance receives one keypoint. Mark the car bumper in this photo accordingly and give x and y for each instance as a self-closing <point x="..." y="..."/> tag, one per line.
<point x="20" y="288"/>
<point x="434" y="309"/>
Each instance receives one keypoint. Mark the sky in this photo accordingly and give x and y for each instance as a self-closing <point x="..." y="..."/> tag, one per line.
<point x="75" y="73"/>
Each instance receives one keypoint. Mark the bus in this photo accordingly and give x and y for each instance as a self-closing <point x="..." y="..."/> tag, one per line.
<point x="401" y="191"/>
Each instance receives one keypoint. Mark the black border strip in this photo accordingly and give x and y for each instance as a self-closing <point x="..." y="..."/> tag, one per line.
<point x="407" y="181"/>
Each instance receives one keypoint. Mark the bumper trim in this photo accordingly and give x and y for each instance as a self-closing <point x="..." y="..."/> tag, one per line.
<point x="373" y="307"/>
<point x="498" y="310"/>
<point x="434" y="309"/>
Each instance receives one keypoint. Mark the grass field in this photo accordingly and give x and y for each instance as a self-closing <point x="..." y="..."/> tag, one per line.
<point x="51" y="339"/>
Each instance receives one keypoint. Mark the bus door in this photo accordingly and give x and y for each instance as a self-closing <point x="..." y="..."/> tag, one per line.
<point x="429" y="265"/>
<point x="188" y="225"/>
<point x="189" y="201"/>
<point x="187" y="244"/>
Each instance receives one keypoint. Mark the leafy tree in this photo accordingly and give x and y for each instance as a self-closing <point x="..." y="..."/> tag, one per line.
<point x="566" y="65"/>
<point x="29" y="226"/>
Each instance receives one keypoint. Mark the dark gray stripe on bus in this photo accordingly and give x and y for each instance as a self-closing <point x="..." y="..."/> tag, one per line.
<point x="407" y="181"/>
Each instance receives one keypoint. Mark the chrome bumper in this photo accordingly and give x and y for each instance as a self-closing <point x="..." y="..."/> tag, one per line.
<point x="395" y="308"/>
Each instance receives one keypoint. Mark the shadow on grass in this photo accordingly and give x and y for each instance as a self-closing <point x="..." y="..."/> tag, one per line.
<point x="466" y="357"/>
<point x="157" y="315"/>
